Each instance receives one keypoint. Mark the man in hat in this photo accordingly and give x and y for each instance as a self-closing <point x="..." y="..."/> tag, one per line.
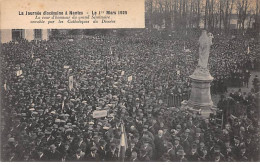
<point x="67" y="150"/>
<point x="218" y="157"/>
<point x="228" y="154"/>
<point x="134" y="131"/>
<point x="243" y="155"/>
<point x="159" y="145"/>
<point x="41" y="156"/>
<point x="256" y="84"/>
<point x="132" y="148"/>
<point x="133" y="157"/>
<point x="236" y="147"/>
<point x="13" y="157"/>
<point x="16" y="148"/>
<point x="217" y="140"/>
<point x="250" y="145"/>
<point x="147" y="146"/>
<point x="78" y="156"/>
<point x="177" y="145"/>
<point x="59" y="144"/>
<point x="204" y="157"/>
<point x="193" y="156"/>
<point x="186" y="140"/>
<point x="112" y="154"/>
<point x="170" y="151"/>
<point x="53" y="155"/>
<point x="178" y="130"/>
<point x="181" y="156"/>
<point x="145" y="130"/>
<point x="79" y="144"/>
<point x="143" y="156"/>
<point x="199" y="135"/>
<point x="165" y="158"/>
<point x="48" y="139"/>
<point x="102" y="150"/>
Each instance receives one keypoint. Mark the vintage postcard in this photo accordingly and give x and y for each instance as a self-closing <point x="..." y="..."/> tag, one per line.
<point x="130" y="80"/>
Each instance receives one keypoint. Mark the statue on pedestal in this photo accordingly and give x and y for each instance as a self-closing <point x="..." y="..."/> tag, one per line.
<point x="202" y="71"/>
<point x="200" y="98"/>
<point x="205" y="42"/>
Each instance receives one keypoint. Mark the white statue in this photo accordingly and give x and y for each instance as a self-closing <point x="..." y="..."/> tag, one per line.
<point x="205" y="42"/>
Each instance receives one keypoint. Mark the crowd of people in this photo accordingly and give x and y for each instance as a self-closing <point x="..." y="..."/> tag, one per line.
<point x="236" y="63"/>
<point x="46" y="118"/>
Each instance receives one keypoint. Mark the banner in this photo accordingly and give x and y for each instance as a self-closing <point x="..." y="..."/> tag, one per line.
<point x="70" y="82"/>
<point x="178" y="72"/>
<point x="130" y="78"/>
<point x="19" y="73"/>
<point x="98" y="113"/>
<point x="66" y="67"/>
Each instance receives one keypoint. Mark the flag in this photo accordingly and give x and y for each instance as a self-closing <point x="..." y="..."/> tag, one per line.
<point x="5" y="86"/>
<point x="130" y="78"/>
<point x="111" y="51"/>
<point x="123" y="144"/>
<point x="70" y="82"/>
<point x="32" y="51"/>
<point x="62" y="105"/>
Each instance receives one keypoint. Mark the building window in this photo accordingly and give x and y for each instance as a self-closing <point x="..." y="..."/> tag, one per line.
<point x="38" y="34"/>
<point x="17" y="34"/>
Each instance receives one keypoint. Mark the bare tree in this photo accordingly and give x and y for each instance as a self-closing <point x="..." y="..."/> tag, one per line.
<point x="257" y="17"/>
<point x="242" y="7"/>
<point x="149" y="12"/>
<point x="230" y="13"/>
<point x="183" y="14"/>
<point x="198" y="13"/>
<point x="220" y="14"/>
<point x="206" y="13"/>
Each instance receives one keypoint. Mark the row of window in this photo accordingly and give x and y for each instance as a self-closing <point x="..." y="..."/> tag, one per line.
<point x="17" y="34"/>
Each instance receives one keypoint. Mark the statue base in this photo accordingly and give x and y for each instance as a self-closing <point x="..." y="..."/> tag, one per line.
<point x="200" y="98"/>
<point x="204" y="112"/>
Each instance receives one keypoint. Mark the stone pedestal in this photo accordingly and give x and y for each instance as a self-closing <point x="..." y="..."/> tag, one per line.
<point x="200" y="98"/>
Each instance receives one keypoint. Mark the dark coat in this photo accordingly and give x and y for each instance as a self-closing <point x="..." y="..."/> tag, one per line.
<point x="91" y="158"/>
<point x="112" y="157"/>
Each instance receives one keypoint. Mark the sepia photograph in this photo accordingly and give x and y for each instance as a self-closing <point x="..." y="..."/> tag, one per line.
<point x="177" y="81"/>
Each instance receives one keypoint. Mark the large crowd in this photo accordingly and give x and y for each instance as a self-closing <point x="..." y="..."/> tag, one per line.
<point x="131" y="77"/>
